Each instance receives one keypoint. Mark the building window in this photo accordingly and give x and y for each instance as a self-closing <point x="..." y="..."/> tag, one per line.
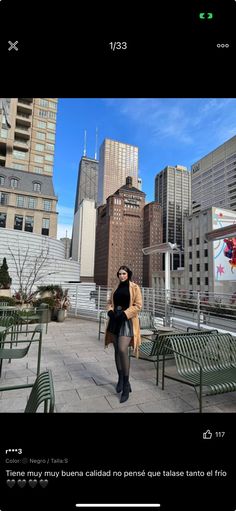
<point x="50" y="136"/>
<point x="18" y="166"/>
<point x="190" y="255"/>
<point x="206" y="281"/>
<point x="206" y="266"/>
<point x="51" y="115"/>
<point x="198" y="267"/>
<point x="205" y="252"/>
<point x="38" y="170"/>
<point x="198" y="254"/>
<point x="48" y="168"/>
<point x="32" y="204"/>
<point x="2" y="180"/>
<point x="48" y="157"/>
<point x="37" y="187"/>
<point x="3" y="218"/>
<point x="19" y="155"/>
<point x="3" y="198"/>
<point x="198" y="281"/>
<point x="3" y="133"/>
<point x="38" y="159"/>
<point x="52" y="105"/>
<point x="43" y="113"/>
<point x="14" y="183"/>
<point x="47" y="205"/>
<point x="49" y="147"/>
<point x="29" y="223"/>
<point x="40" y="135"/>
<point x="197" y="241"/>
<point x="18" y="224"/>
<point x="41" y="124"/>
<point x="190" y="268"/>
<point x="43" y="102"/>
<point x="45" y="226"/>
<point x="51" y="126"/>
<point x="39" y="147"/>
<point x="20" y="201"/>
<point x="190" y="281"/>
<point x="189" y="243"/>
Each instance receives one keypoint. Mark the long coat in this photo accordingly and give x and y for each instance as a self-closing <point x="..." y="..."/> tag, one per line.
<point x="134" y="308"/>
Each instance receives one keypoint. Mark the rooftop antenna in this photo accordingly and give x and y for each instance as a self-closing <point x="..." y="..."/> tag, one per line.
<point x="85" y="141"/>
<point x="96" y="145"/>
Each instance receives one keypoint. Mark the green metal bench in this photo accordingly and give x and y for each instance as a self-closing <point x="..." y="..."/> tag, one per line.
<point x="153" y="350"/>
<point x="205" y="361"/>
<point x="42" y="392"/>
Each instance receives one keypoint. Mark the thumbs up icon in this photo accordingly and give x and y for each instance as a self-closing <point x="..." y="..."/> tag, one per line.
<point x="207" y="435"/>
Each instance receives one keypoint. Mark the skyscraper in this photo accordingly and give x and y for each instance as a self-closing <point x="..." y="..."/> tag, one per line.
<point x="173" y="192"/>
<point x="214" y="178"/>
<point x="117" y="160"/>
<point x="119" y="235"/>
<point x="27" y="143"/>
<point x="27" y="134"/>
<point x="87" y="184"/>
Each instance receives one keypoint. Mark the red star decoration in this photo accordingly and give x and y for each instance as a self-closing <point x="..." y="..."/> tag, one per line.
<point x="220" y="269"/>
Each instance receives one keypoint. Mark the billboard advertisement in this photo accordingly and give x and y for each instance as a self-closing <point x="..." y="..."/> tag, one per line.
<point x="224" y="251"/>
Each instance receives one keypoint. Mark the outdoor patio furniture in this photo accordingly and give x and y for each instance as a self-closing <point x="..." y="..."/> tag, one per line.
<point x="13" y="352"/>
<point x="42" y="392"/>
<point x="103" y="318"/>
<point x="205" y="361"/>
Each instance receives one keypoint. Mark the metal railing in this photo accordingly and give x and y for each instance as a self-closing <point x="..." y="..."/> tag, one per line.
<point x="172" y="307"/>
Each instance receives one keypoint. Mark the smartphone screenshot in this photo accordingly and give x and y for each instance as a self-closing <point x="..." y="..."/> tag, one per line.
<point x="117" y="256"/>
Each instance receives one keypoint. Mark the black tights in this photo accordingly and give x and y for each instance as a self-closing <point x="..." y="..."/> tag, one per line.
<point x="121" y="345"/>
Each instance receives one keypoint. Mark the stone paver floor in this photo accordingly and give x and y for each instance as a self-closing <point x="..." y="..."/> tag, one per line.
<point x="84" y="377"/>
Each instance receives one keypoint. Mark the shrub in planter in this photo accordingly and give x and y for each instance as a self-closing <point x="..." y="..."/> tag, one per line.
<point x="5" y="279"/>
<point x="7" y="299"/>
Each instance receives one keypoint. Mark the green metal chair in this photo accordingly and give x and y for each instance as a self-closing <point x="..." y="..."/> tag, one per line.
<point x="205" y="361"/>
<point x="13" y="352"/>
<point x="42" y="392"/>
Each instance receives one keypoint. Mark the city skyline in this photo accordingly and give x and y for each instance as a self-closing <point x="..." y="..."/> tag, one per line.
<point x="167" y="131"/>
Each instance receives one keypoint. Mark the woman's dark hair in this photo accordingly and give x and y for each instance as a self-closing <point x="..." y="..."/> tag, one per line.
<point x="130" y="273"/>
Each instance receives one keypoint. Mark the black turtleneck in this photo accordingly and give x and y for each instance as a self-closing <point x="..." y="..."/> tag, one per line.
<point x="122" y="295"/>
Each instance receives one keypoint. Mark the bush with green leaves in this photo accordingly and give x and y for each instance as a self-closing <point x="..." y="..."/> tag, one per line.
<point x="7" y="299"/>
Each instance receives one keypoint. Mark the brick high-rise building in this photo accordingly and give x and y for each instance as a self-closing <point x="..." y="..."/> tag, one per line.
<point x="119" y="235"/>
<point x="117" y="160"/>
<point x="152" y="234"/>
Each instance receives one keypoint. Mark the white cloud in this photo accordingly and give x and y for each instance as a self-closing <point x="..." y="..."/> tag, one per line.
<point x="63" y="230"/>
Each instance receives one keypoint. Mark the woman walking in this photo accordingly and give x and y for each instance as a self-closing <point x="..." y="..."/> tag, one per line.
<point x="123" y="328"/>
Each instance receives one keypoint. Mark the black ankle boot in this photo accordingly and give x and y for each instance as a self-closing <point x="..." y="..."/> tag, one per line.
<point x="126" y="390"/>
<point x="119" y="386"/>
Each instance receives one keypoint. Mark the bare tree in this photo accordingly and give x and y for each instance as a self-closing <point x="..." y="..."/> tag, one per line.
<point x="30" y="270"/>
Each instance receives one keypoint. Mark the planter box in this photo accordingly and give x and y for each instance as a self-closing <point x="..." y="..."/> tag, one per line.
<point x="5" y="292"/>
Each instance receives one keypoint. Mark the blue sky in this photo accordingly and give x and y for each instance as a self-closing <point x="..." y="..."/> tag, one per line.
<point x="168" y="131"/>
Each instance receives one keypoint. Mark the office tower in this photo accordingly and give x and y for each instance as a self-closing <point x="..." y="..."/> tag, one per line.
<point x="27" y="139"/>
<point x="87" y="184"/>
<point x="173" y="192"/>
<point x="83" y="248"/>
<point x="214" y="178"/>
<point x="119" y="235"/>
<point x="117" y="160"/>
<point x="152" y="235"/>
<point x="27" y="134"/>
<point x="208" y="266"/>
